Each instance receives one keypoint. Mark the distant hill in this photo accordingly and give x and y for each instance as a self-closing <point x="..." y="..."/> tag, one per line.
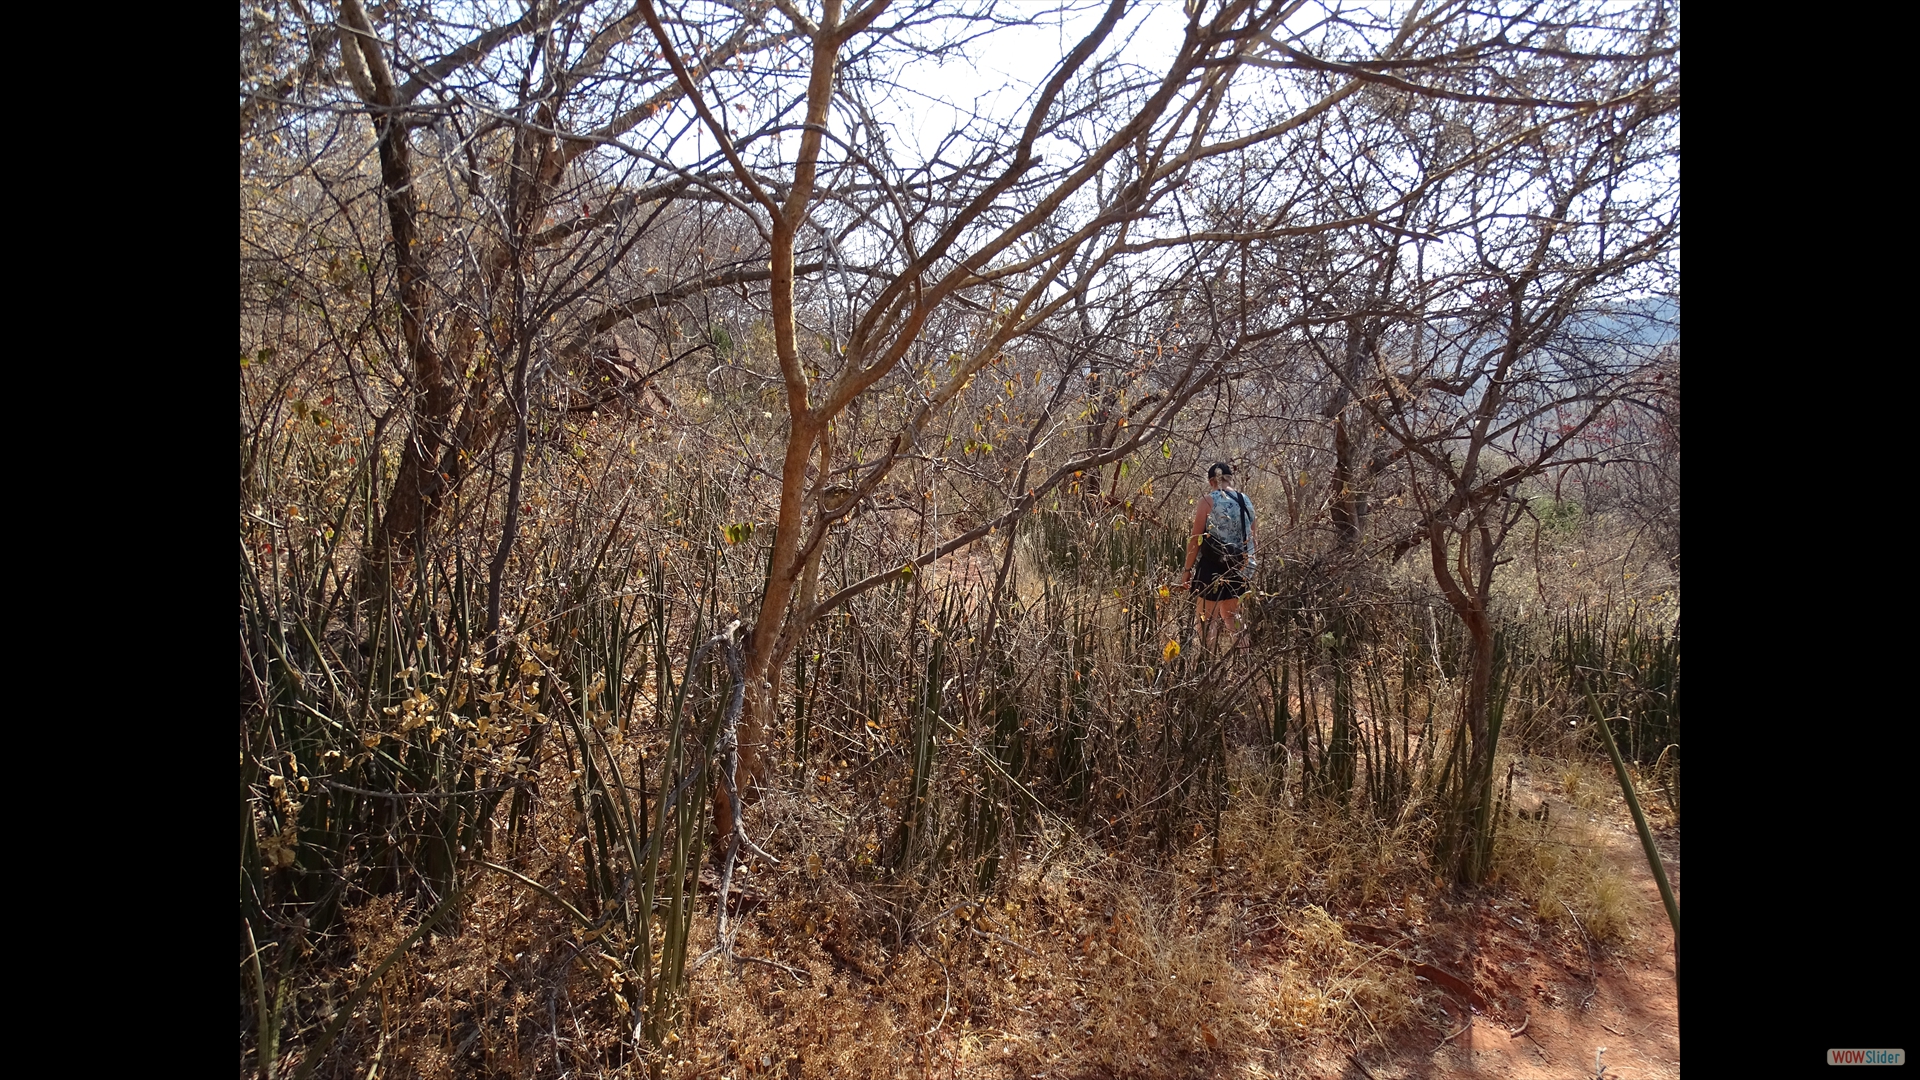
<point x="1652" y="321"/>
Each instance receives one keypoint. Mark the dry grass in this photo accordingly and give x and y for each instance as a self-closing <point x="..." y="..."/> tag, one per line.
<point x="1598" y="564"/>
<point x="1092" y="966"/>
<point x="1332" y="985"/>
<point x="1085" y="962"/>
<point x="1593" y="564"/>
<point x="1560" y="866"/>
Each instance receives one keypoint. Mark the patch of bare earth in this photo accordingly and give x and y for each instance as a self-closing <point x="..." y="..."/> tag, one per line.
<point x="1525" y="1000"/>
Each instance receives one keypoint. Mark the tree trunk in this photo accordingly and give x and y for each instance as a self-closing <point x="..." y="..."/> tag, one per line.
<point x="1351" y="426"/>
<point x="777" y="630"/>
<point x="1349" y="477"/>
<point x="1474" y="807"/>
<point x="418" y="486"/>
<point x="1467" y="840"/>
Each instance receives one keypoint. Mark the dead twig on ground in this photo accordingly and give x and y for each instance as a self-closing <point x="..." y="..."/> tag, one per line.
<point x="1593" y="975"/>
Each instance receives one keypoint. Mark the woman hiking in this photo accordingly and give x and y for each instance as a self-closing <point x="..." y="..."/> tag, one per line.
<point x="1219" y="553"/>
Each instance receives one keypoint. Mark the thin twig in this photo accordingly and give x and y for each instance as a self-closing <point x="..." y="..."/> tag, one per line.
<point x="979" y="933"/>
<point x="1593" y="977"/>
<point x="788" y="968"/>
<point x="417" y="794"/>
<point x="948" y="1005"/>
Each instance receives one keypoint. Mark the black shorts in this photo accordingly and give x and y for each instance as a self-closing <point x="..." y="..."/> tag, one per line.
<point x="1213" y="580"/>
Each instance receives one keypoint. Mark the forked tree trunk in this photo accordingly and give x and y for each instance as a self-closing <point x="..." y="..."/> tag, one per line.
<point x="417" y="487"/>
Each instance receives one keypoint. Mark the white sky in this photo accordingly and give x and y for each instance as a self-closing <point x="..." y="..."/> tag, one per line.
<point x="1002" y="75"/>
<point x="999" y="76"/>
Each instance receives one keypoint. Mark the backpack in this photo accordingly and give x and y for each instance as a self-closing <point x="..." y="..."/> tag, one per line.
<point x="1231" y="554"/>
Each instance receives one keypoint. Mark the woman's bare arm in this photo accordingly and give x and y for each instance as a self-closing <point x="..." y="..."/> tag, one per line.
<point x="1193" y="536"/>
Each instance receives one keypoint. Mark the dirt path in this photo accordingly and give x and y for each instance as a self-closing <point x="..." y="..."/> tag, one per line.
<point x="1565" y="1001"/>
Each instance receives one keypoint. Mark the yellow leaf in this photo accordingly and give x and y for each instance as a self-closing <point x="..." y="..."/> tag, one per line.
<point x="1172" y="650"/>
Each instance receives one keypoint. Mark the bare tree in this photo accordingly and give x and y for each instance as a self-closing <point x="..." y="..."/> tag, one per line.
<point x="1504" y="333"/>
<point x="576" y="196"/>
<point x="1010" y="234"/>
<point x="506" y="225"/>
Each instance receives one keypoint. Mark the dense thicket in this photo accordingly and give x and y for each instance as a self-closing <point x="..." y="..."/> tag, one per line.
<point x="646" y="407"/>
